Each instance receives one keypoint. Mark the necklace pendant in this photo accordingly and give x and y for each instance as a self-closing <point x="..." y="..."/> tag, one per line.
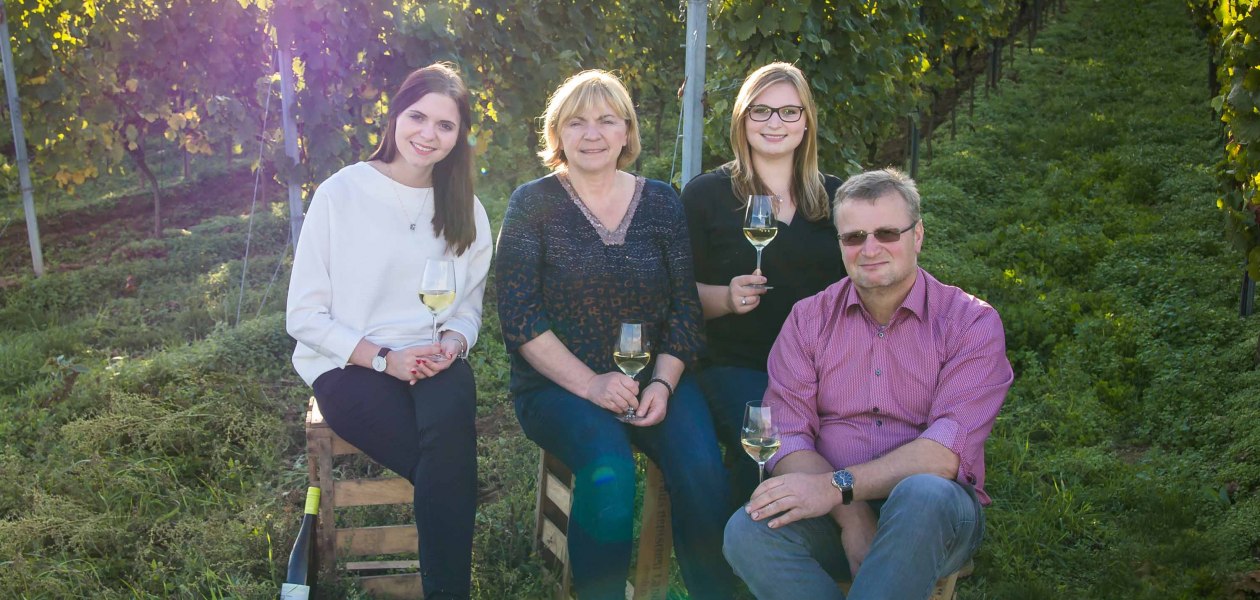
<point x="413" y="226"/>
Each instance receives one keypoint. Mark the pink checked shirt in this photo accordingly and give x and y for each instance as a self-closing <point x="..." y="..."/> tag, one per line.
<point x="853" y="390"/>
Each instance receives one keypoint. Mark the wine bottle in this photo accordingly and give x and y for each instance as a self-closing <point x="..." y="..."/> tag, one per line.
<point x="296" y="583"/>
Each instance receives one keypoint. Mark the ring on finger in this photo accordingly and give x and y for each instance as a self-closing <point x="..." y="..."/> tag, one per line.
<point x="743" y="300"/>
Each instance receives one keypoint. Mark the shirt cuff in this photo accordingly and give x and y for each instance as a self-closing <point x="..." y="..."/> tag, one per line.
<point x="789" y="445"/>
<point x="947" y="432"/>
<point x="339" y="344"/>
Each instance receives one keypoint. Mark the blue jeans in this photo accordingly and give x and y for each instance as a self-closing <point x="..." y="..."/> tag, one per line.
<point x="928" y="528"/>
<point x="729" y="390"/>
<point x="596" y="447"/>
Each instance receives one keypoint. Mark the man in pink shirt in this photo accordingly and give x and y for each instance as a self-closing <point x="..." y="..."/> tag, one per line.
<point x="884" y="387"/>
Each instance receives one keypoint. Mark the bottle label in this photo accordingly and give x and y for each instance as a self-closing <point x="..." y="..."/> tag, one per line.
<point x="294" y="591"/>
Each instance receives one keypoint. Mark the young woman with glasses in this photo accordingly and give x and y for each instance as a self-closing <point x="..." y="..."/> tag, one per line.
<point x="773" y="138"/>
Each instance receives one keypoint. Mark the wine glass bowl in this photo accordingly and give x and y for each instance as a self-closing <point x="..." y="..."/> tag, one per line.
<point x="632" y="354"/>
<point x="761" y="224"/>
<point x="760" y="436"/>
<point x="437" y="288"/>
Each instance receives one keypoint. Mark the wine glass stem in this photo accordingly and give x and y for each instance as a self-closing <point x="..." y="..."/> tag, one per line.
<point x="761" y="472"/>
<point x="435" y="335"/>
<point x="758" y="259"/>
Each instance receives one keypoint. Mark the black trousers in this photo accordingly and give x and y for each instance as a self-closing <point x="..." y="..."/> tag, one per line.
<point x="425" y="433"/>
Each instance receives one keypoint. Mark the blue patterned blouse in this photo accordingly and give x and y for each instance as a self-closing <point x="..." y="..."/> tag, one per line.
<point x="557" y="268"/>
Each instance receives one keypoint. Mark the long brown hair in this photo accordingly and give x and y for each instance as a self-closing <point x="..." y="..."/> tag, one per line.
<point x="807" y="182"/>
<point x="453" y="217"/>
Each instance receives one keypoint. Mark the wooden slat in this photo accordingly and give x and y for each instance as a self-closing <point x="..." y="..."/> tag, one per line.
<point x="372" y="541"/>
<point x="404" y="585"/>
<point x="379" y="565"/>
<point x="315" y="421"/>
<point x="555" y="541"/>
<point x="371" y="492"/>
<point x="560" y="493"/>
<point x="656" y="541"/>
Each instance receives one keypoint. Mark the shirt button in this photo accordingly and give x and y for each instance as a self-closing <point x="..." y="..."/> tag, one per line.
<point x="971" y="479"/>
<point x="876" y="409"/>
<point x="879" y="422"/>
<point x="881" y="335"/>
<point x="878" y="372"/>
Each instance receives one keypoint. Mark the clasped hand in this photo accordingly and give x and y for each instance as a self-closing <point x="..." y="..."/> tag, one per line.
<point x="421" y="362"/>
<point x="619" y="393"/>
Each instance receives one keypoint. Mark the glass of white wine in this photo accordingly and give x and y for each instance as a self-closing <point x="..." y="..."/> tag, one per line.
<point x="761" y="224"/>
<point x="437" y="288"/>
<point x="632" y="354"/>
<point x="760" y="436"/>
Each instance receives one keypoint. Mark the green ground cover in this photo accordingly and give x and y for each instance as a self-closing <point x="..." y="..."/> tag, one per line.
<point x="152" y="448"/>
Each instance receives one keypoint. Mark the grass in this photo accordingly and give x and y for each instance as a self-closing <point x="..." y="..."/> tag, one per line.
<point x="153" y="446"/>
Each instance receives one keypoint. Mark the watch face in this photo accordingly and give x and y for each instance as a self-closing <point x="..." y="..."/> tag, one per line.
<point x="843" y="479"/>
<point x="378" y="363"/>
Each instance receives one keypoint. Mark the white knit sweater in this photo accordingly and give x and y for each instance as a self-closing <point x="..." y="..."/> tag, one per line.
<point x="357" y="267"/>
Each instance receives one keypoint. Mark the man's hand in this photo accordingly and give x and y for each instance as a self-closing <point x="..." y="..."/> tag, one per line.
<point x="857" y="530"/>
<point x="793" y="497"/>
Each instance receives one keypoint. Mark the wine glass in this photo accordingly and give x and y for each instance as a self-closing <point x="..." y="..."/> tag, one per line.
<point x="632" y="354"/>
<point x="437" y="288"/>
<point x="760" y="436"/>
<point x="761" y="224"/>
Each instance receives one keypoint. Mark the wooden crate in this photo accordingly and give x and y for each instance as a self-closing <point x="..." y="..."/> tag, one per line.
<point x="656" y="542"/>
<point x="945" y="588"/>
<point x="323" y="447"/>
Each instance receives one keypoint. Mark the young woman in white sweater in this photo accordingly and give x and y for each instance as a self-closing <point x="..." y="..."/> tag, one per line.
<point x="365" y="343"/>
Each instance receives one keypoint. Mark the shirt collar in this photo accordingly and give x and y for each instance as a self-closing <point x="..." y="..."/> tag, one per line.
<point x="915" y="302"/>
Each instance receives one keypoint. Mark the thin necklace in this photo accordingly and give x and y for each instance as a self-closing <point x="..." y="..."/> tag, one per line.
<point x="393" y="185"/>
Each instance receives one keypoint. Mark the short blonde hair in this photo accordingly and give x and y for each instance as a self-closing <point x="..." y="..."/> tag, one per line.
<point x="577" y="94"/>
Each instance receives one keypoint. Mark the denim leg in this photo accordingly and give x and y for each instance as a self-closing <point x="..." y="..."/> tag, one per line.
<point x="596" y="447"/>
<point x="928" y="528"/>
<point x="685" y="448"/>
<point x="800" y="560"/>
<point x="728" y="390"/>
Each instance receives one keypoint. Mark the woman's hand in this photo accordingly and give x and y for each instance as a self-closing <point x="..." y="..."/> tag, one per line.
<point x="740" y="298"/>
<point x="652" y="405"/>
<point x="428" y="360"/>
<point x="615" y="392"/>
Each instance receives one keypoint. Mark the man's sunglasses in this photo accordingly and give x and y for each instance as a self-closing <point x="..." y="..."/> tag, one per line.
<point x="885" y="235"/>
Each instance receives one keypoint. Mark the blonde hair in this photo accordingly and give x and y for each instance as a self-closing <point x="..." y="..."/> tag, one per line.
<point x="577" y="94"/>
<point x="807" y="183"/>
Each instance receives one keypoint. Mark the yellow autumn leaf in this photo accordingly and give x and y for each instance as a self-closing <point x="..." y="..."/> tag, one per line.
<point x="133" y="84"/>
<point x="41" y="80"/>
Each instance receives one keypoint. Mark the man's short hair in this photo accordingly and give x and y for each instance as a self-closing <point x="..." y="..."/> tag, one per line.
<point x="871" y="185"/>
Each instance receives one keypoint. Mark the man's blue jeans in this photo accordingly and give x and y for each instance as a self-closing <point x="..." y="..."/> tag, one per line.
<point x="596" y="447"/>
<point x="728" y="390"/>
<point x="928" y="528"/>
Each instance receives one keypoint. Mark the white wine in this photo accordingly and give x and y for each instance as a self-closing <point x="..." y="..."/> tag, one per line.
<point x="760" y="236"/>
<point x="631" y="363"/>
<point x="760" y="448"/>
<point x="296" y="584"/>
<point x="437" y="301"/>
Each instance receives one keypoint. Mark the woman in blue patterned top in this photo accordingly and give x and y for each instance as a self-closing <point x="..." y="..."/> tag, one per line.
<point x="582" y="250"/>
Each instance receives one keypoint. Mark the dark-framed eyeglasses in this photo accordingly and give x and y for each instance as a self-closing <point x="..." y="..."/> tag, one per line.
<point x="787" y="114"/>
<point x="886" y="235"/>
